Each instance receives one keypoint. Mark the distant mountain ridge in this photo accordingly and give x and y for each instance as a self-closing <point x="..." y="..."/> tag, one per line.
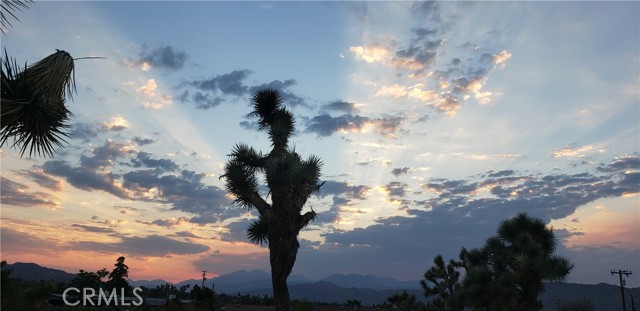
<point x="339" y="288"/>
<point x="33" y="272"/>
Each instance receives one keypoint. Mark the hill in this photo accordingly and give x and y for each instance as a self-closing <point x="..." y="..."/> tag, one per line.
<point x="33" y="273"/>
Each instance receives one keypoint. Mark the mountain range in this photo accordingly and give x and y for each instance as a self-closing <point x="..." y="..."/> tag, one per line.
<point x="339" y="288"/>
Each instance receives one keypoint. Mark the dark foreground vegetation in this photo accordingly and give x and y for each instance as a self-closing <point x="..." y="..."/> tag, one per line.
<point x="507" y="273"/>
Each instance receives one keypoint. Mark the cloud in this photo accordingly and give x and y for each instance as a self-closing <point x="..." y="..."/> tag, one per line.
<point x="331" y="187"/>
<point x="157" y="180"/>
<point x="149" y="246"/>
<point x="290" y="99"/>
<point x="463" y="213"/>
<point x="144" y="159"/>
<point x="94" y="229"/>
<point x="83" y="131"/>
<point x="500" y="58"/>
<point x="184" y="191"/>
<point x="621" y="164"/>
<point x="415" y="91"/>
<point x="226" y="84"/>
<point x="399" y="171"/>
<point x="117" y="123"/>
<point x="371" y="54"/>
<point x="326" y="125"/>
<point x="572" y="151"/>
<point x="142" y="141"/>
<point x="166" y="57"/>
<point x="210" y="93"/>
<point x="18" y="243"/>
<point x="341" y="106"/>
<point x="16" y="194"/>
<point x="166" y="222"/>
<point x="42" y="179"/>
<point x="148" y="90"/>
<point x="237" y="230"/>
<point x="85" y="178"/>
<point x="421" y="74"/>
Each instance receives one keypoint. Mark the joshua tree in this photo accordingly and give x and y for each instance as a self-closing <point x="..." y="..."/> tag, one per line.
<point x="290" y="179"/>
<point x="442" y="281"/>
<point x="507" y="273"/>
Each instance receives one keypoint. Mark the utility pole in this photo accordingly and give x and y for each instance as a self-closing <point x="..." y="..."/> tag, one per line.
<point x="620" y="273"/>
<point x="204" y="277"/>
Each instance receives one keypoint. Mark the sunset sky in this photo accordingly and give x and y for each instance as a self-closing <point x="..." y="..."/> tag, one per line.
<point x="434" y="120"/>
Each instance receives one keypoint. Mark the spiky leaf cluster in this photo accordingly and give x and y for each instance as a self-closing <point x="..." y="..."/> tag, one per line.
<point x="33" y="103"/>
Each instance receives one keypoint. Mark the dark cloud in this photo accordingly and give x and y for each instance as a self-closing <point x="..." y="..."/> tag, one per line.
<point x="250" y="125"/>
<point x="142" y="141"/>
<point x="237" y="231"/>
<point x="502" y="173"/>
<point x="165" y="57"/>
<point x="85" y="178"/>
<point x="186" y="234"/>
<point x="455" y="212"/>
<point x="17" y="194"/>
<point x="343" y="188"/>
<point x="341" y="106"/>
<point x="290" y="99"/>
<point x="18" y="243"/>
<point x="399" y="171"/>
<point x="226" y="84"/>
<point x="94" y="229"/>
<point x="184" y="191"/>
<point x="209" y="93"/>
<point x="166" y="222"/>
<point x="150" y="246"/>
<point x="144" y="159"/>
<point x="201" y="100"/>
<point x="83" y="131"/>
<point x="621" y="164"/>
<point x="396" y="189"/>
<point x="326" y="125"/>
<point x="160" y="181"/>
<point x="105" y="155"/>
<point x="42" y="179"/>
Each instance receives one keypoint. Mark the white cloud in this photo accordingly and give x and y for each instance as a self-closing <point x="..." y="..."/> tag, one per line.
<point x="149" y="88"/>
<point x="375" y="53"/>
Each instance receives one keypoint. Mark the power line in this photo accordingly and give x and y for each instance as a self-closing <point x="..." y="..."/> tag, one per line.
<point x="620" y="273"/>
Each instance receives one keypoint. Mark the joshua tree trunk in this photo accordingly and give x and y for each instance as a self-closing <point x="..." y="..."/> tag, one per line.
<point x="283" y="248"/>
<point x="283" y="256"/>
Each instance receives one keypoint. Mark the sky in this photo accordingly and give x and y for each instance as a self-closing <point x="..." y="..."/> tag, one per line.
<point x="435" y="121"/>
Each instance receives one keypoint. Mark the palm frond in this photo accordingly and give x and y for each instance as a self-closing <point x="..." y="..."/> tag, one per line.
<point x="8" y="10"/>
<point x="33" y="103"/>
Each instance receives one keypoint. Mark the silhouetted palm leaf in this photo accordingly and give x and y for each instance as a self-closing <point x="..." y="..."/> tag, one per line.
<point x="33" y="103"/>
<point x="8" y="10"/>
